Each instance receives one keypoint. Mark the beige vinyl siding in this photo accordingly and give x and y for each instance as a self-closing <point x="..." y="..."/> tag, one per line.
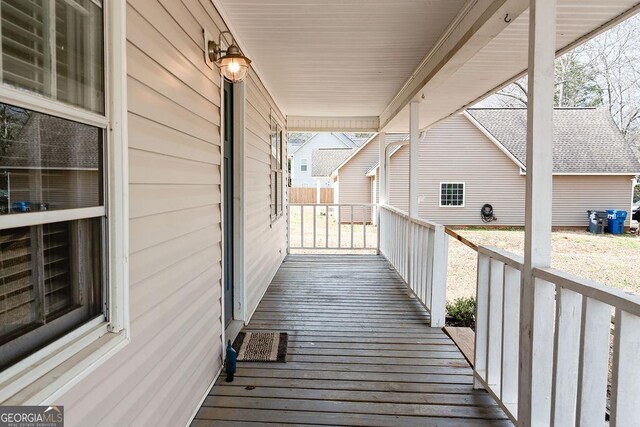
<point x="265" y="242"/>
<point x="574" y="195"/>
<point x="354" y="186"/>
<point x="456" y="151"/>
<point x="175" y="222"/>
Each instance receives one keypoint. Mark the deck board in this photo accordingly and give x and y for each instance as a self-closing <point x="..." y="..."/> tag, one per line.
<point x="360" y="353"/>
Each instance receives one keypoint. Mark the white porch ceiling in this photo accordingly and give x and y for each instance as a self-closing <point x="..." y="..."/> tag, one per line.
<point x="363" y="59"/>
<point x="337" y="57"/>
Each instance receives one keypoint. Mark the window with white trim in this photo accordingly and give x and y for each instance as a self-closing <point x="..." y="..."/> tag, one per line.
<point x="303" y="165"/>
<point x="53" y="238"/>
<point x="277" y="170"/>
<point x="452" y="194"/>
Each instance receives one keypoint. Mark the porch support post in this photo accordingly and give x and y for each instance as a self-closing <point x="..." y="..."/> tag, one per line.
<point x="537" y="296"/>
<point x="382" y="184"/>
<point x="317" y="191"/>
<point x="414" y="162"/>
<point x="382" y="169"/>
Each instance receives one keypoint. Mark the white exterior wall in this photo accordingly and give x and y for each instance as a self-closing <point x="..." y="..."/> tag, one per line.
<point x="175" y="223"/>
<point x="304" y="179"/>
<point x="456" y="151"/>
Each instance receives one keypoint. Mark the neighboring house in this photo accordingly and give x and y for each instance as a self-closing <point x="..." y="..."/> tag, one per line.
<point x="302" y="158"/>
<point x="296" y="139"/>
<point x="352" y="184"/>
<point x="325" y="161"/>
<point x="594" y="168"/>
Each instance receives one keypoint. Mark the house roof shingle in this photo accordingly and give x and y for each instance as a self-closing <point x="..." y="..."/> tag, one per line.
<point x="326" y="160"/>
<point x="585" y="140"/>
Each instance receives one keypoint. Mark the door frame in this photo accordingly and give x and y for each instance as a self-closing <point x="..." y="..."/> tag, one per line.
<point x="238" y="156"/>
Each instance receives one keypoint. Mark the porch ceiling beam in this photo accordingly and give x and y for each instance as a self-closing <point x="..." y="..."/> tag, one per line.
<point x="332" y="124"/>
<point x="479" y="22"/>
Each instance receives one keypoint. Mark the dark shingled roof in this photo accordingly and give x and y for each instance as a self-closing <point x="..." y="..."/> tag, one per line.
<point x="326" y="160"/>
<point x="586" y="140"/>
<point x="52" y="143"/>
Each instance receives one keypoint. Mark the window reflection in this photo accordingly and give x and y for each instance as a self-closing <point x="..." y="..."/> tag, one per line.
<point x="47" y="163"/>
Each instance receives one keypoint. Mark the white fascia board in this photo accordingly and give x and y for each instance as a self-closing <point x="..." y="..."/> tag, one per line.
<point x="474" y="27"/>
<point x="356" y="151"/>
<point x="585" y="38"/>
<point x="305" y="143"/>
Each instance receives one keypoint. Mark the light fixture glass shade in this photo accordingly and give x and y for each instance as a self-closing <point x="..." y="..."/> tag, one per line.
<point x="234" y="68"/>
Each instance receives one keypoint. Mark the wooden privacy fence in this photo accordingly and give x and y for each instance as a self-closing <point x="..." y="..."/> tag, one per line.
<point x="308" y="195"/>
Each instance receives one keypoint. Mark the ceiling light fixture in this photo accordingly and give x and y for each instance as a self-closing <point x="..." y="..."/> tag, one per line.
<point x="232" y="62"/>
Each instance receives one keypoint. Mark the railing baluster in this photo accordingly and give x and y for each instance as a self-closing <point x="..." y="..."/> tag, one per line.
<point x="430" y="251"/>
<point x="423" y="257"/>
<point x="625" y="384"/>
<point x="351" y="226"/>
<point x="482" y="317"/>
<point x="364" y="227"/>
<point x="439" y="282"/>
<point x="326" y="228"/>
<point x="339" y="228"/>
<point x="314" y="227"/>
<point x="494" y="341"/>
<point x="542" y="360"/>
<point x="566" y="357"/>
<point x="302" y="226"/>
<point x="594" y="362"/>
<point x="510" y="337"/>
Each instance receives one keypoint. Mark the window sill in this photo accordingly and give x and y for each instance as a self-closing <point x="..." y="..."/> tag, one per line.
<point x="48" y="374"/>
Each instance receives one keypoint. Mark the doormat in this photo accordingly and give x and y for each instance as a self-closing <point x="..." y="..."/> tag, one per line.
<point x="261" y="346"/>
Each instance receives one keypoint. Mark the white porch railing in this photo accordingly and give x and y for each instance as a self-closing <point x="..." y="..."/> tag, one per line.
<point x="334" y="227"/>
<point x="572" y="330"/>
<point x="418" y="250"/>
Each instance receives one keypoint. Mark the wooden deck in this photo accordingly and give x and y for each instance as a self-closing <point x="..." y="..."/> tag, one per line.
<point x="360" y="353"/>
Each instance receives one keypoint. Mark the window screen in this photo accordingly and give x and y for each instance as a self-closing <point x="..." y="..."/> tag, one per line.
<point x="452" y="194"/>
<point x="47" y="163"/>
<point x="277" y="170"/>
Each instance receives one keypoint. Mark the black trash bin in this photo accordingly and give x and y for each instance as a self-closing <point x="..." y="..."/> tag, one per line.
<point x="597" y="221"/>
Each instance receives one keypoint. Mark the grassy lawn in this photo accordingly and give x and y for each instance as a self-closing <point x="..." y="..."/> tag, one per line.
<point x="610" y="260"/>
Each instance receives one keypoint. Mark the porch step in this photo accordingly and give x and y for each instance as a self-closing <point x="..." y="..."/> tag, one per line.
<point x="464" y="338"/>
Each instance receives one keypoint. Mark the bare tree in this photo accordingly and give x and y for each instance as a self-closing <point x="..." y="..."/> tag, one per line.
<point x="605" y="72"/>
<point x="614" y="57"/>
